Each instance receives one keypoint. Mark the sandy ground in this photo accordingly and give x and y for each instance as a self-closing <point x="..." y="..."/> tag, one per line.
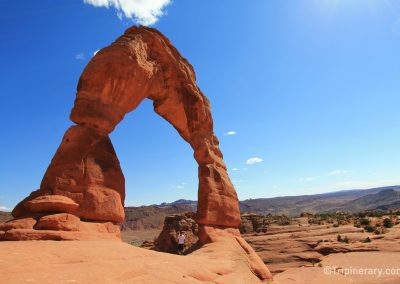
<point x="116" y="262"/>
<point x="139" y="236"/>
<point x="296" y="254"/>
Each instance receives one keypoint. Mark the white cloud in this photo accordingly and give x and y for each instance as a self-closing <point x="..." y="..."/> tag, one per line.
<point x="235" y="169"/>
<point x="338" y="172"/>
<point x="230" y="133"/>
<point x="310" y="178"/>
<point x="180" y="186"/>
<point x="254" y="160"/>
<point x="80" y="56"/>
<point x="4" y="208"/>
<point x="94" y="53"/>
<point x="143" y="12"/>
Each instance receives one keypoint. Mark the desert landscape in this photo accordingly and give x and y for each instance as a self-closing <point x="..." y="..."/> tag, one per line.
<point x="308" y="248"/>
<point x="311" y="248"/>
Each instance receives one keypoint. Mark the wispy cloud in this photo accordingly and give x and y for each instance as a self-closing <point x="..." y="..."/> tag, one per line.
<point x="230" y="133"/>
<point x="143" y="12"/>
<point x="338" y="172"/>
<point x="310" y="178"/>
<point x="235" y="169"/>
<point x="4" y="208"/>
<point x="80" y="56"/>
<point x="253" y="161"/>
<point x="179" y="186"/>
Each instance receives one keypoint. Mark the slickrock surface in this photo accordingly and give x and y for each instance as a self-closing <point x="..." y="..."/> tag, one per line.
<point x="329" y="271"/>
<point x="302" y="245"/>
<point x="116" y="262"/>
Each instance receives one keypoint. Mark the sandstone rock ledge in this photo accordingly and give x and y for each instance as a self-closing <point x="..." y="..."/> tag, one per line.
<point x="117" y="262"/>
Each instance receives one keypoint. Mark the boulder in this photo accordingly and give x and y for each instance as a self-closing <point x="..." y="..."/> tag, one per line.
<point x="52" y="203"/>
<point x="24" y="223"/>
<point x="59" y="222"/>
<point x="167" y="240"/>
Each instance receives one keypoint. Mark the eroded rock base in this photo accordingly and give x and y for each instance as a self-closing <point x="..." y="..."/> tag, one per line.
<point x="59" y="226"/>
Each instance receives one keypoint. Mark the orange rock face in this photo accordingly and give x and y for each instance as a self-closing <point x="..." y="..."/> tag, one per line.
<point x="59" y="222"/>
<point x="24" y="223"/>
<point x="51" y="203"/>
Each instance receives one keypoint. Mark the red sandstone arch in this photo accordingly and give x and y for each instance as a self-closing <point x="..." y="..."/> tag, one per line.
<point x="140" y="64"/>
<point x="81" y="196"/>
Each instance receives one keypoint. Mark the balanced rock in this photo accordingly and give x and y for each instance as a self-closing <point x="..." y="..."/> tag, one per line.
<point x="51" y="203"/>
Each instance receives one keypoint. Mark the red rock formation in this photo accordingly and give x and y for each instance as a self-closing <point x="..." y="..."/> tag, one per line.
<point x="167" y="240"/>
<point x="143" y="64"/>
<point x="24" y="223"/>
<point x="140" y="64"/>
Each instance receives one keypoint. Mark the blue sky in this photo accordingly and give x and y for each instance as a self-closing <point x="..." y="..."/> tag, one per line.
<point x="309" y="87"/>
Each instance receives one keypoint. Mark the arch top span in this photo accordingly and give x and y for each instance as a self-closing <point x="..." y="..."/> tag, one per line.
<point x="143" y="64"/>
<point x="140" y="64"/>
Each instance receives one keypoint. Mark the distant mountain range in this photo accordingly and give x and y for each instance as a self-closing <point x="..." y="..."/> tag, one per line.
<point x="348" y="200"/>
<point x="388" y="199"/>
<point x="352" y="201"/>
<point x="385" y="198"/>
